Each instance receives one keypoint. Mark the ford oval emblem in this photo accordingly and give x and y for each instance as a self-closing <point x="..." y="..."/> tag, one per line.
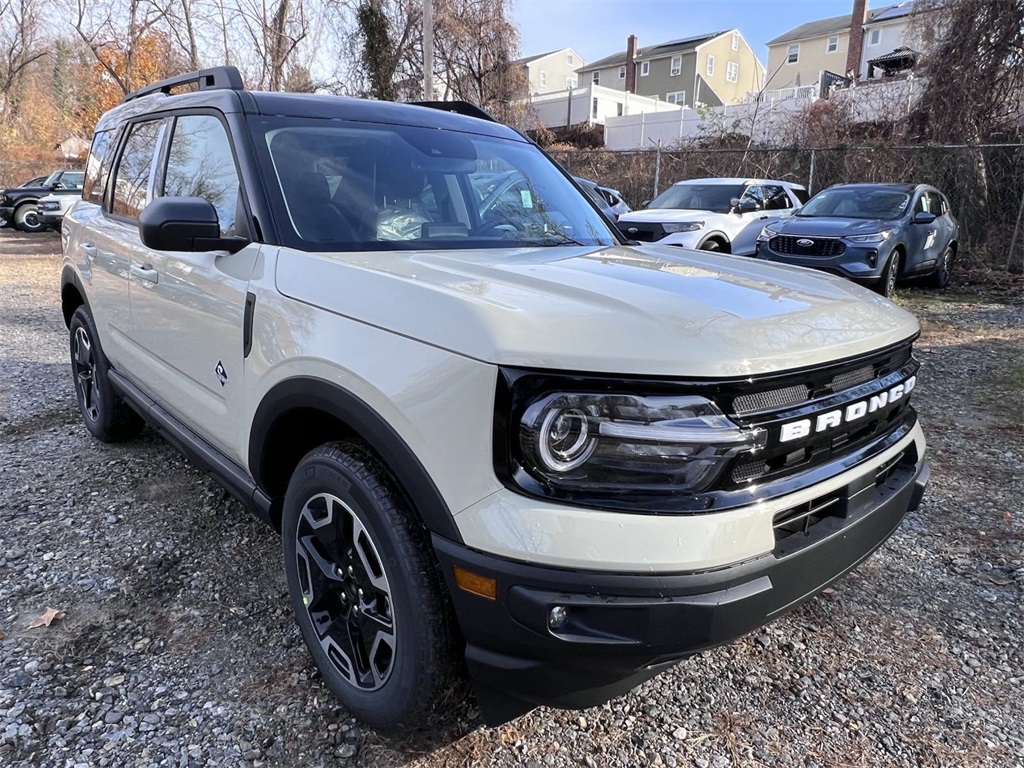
<point x="632" y="230"/>
<point x="803" y="242"/>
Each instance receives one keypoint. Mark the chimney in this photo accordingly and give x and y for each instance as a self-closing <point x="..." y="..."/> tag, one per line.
<point x="631" y="64"/>
<point x="857" y="19"/>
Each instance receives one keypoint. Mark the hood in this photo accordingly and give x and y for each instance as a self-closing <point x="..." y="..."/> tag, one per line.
<point x="661" y="215"/>
<point x="652" y="310"/>
<point x="823" y="226"/>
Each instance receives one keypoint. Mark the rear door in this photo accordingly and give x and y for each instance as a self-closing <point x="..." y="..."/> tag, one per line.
<point x="188" y="308"/>
<point x="922" y="239"/>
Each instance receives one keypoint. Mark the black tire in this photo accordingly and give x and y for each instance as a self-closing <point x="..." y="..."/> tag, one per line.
<point x="712" y="245"/>
<point x="26" y="218"/>
<point x="105" y="414"/>
<point x="890" y="276"/>
<point x="940" y="277"/>
<point x="390" y="662"/>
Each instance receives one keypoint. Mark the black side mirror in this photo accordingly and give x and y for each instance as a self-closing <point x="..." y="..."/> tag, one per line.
<point x="923" y="217"/>
<point x="645" y="203"/>
<point x="184" y="224"/>
<point x="743" y="206"/>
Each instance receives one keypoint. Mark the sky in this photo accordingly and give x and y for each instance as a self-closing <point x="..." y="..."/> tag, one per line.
<point x="599" y="28"/>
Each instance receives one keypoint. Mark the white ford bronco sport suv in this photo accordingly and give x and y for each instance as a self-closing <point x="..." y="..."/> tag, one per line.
<point x="506" y="443"/>
<point x="724" y="215"/>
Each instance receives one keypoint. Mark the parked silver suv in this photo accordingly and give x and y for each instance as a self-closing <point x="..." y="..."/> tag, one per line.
<point x="492" y="435"/>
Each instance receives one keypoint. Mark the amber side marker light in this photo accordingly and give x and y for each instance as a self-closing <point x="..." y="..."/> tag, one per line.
<point x="475" y="583"/>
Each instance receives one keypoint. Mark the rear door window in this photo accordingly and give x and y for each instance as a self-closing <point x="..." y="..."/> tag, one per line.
<point x="97" y="167"/>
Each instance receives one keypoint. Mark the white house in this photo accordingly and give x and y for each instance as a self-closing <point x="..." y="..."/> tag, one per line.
<point x="552" y="71"/>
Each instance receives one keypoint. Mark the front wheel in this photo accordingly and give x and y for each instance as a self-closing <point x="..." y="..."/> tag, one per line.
<point x="26" y="218"/>
<point x="365" y="587"/>
<point x="887" y="285"/>
<point x="711" y="245"/>
<point x="104" y="413"/>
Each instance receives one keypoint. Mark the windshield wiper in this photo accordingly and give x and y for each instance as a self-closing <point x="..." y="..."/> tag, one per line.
<point x="562" y="240"/>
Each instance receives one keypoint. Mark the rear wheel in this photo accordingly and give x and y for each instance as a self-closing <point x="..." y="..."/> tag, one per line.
<point x="890" y="275"/>
<point x="940" y="277"/>
<point x="365" y="588"/>
<point x="108" y="417"/>
<point x="26" y="218"/>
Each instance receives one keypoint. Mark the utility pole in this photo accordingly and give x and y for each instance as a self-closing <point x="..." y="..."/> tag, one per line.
<point x="428" y="50"/>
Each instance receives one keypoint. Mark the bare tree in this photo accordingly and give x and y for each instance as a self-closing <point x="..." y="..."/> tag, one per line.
<point x="20" y="47"/>
<point x="273" y="30"/>
<point x="113" y="32"/>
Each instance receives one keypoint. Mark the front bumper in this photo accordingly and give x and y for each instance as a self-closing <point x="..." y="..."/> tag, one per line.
<point x="50" y="218"/>
<point x="623" y="628"/>
<point x="7" y="212"/>
<point x="861" y="262"/>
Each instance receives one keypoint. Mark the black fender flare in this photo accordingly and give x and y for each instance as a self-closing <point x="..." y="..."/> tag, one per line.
<point x="314" y="393"/>
<point x="68" y="276"/>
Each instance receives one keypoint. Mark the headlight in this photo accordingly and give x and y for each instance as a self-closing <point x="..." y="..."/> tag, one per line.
<point x="683" y="226"/>
<point x="599" y="443"/>
<point x="767" y="234"/>
<point x="4" y="199"/>
<point x="874" y="237"/>
<point x="49" y="206"/>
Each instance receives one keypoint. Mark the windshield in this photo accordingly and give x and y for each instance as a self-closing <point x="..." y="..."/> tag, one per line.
<point x="65" y="180"/>
<point x="361" y="186"/>
<point x="699" y="197"/>
<point x="857" y="203"/>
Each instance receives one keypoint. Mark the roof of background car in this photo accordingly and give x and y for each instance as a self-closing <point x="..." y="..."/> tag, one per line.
<point x="739" y="180"/>
<point x="305" y="105"/>
<point x="881" y="185"/>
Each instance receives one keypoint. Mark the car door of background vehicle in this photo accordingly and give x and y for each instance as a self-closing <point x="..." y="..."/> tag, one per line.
<point x="188" y="308"/>
<point x="943" y="226"/>
<point x="773" y="204"/>
<point x="921" y="238"/>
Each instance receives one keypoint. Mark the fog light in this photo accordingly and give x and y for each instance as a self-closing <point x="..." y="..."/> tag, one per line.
<point x="872" y="258"/>
<point x="558" y="617"/>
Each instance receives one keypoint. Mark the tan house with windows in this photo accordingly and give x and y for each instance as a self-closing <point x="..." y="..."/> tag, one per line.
<point x="713" y="69"/>
<point x="797" y="58"/>
<point x="552" y="71"/>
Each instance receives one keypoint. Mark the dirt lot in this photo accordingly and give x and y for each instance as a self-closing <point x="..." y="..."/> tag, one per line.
<point x="176" y="647"/>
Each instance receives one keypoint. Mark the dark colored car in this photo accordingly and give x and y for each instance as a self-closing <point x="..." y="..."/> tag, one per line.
<point x="877" y="234"/>
<point x="33" y="182"/>
<point x="607" y="199"/>
<point x="18" y="204"/>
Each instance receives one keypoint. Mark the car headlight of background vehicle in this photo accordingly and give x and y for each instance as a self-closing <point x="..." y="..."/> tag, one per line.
<point x="608" y="446"/>
<point x="683" y="226"/>
<point x="4" y="199"/>
<point x="49" y="205"/>
<point x="874" y="237"/>
<point x="767" y="233"/>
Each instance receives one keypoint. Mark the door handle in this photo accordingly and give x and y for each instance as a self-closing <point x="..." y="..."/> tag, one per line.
<point x="145" y="272"/>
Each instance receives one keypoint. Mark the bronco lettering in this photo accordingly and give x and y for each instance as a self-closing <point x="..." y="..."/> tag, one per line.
<point x="831" y="419"/>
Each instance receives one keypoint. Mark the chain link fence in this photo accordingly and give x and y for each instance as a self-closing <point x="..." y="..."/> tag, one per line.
<point x="984" y="183"/>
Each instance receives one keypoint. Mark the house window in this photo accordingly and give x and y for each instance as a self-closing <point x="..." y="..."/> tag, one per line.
<point x="676" y="97"/>
<point x="597" y="78"/>
<point x="711" y="65"/>
<point x="622" y="73"/>
<point x="735" y="41"/>
<point x="793" y="55"/>
<point x="570" y="82"/>
<point x="833" y="44"/>
<point x="543" y="77"/>
<point x="677" y="65"/>
<point x="732" y="71"/>
<point x="876" y="35"/>
<point x="618" y="109"/>
<point x="570" y="58"/>
<point x="593" y="109"/>
<point x="645" y="68"/>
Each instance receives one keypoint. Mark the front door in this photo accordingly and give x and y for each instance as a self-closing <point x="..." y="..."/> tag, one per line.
<point x="772" y="204"/>
<point x="188" y="308"/>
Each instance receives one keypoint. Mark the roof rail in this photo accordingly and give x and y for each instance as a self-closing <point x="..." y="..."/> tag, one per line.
<point x="216" y="77"/>
<point x="458" y="107"/>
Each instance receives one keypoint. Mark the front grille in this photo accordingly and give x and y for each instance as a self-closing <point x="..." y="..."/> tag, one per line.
<point x="799" y="519"/>
<point x="770" y="399"/>
<point x="807" y="396"/>
<point x="819" y="246"/>
<point x="647" y="233"/>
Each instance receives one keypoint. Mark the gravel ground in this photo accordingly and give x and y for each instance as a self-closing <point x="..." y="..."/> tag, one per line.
<point x="177" y="648"/>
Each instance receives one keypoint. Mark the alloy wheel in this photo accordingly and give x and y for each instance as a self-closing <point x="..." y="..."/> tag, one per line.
<point x="345" y="592"/>
<point x="85" y="380"/>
